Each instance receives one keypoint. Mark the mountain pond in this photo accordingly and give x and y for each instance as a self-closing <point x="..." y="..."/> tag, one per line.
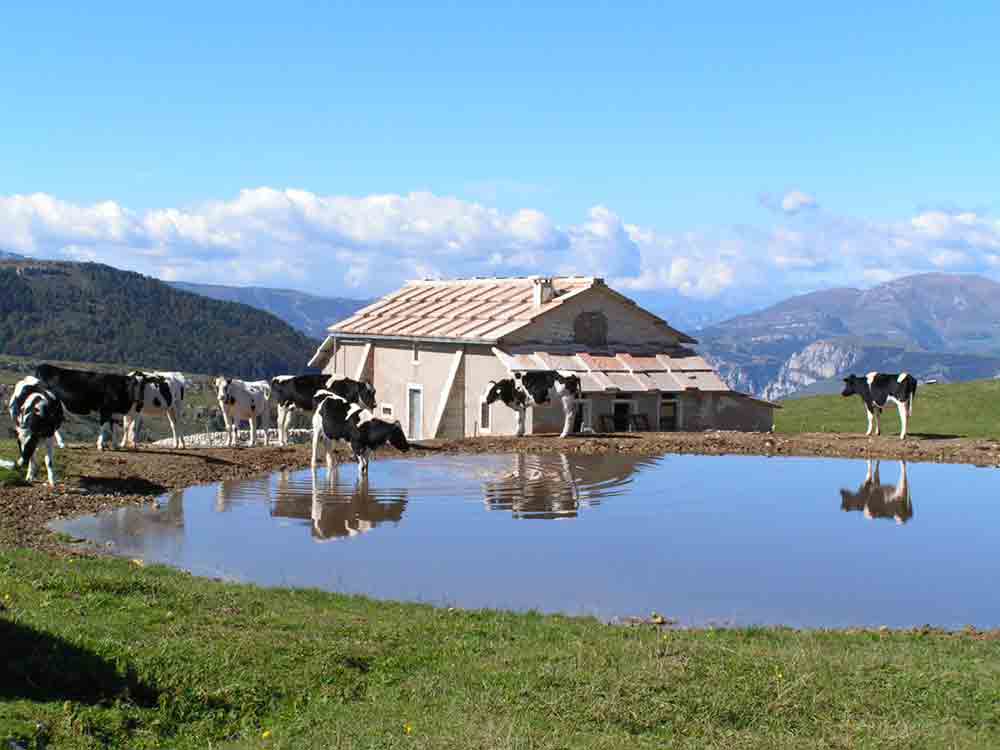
<point x="704" y="540"/>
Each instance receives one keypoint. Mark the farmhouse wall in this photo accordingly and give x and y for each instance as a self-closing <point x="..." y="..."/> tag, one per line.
<point x="626" y="324"/>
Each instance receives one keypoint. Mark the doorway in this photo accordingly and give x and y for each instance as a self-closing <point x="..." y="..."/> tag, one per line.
<point x="620" y="413"/>
<point x="415" y="412"/>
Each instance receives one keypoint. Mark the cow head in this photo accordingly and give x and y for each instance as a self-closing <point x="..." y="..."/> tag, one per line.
<point x="222" y="390"/>
<point x="854" y="384"/>
<point x="366" y="394"/>
<point x="571" y="383"/>
<point x="397" y="439"/>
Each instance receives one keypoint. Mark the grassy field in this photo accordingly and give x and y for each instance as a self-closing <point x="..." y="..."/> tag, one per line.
<point x="104" y="653"/>
<point x="955" y="409"/>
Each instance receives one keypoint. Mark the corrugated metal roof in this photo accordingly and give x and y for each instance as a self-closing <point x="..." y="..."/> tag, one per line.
<point x="622" y="372"/>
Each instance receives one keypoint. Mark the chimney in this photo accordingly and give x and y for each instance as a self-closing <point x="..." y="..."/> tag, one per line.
<point x="542" y="291"/>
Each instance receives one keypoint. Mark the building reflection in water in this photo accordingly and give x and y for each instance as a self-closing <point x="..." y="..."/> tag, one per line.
<point x="877" y="500"/>
<point x="233" y="491"/>
<point x="336" y="510"/>
<point x="553" y="486"/>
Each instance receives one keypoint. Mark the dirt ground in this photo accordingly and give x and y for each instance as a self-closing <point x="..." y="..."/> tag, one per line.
<point x="91" y="482"/>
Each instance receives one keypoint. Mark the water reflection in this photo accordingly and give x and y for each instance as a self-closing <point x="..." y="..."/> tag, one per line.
<point x="555" y="486"/>
<point x="232" y="491"/>
<point x="336" y="509"/>
<point x="877" y="500"/>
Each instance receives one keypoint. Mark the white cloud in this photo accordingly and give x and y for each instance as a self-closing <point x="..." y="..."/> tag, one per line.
<point x="368" y="245"/>
<point x="795" y="200"/>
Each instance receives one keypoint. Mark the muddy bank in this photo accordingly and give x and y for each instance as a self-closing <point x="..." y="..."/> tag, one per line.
<point x="91" y="482"/>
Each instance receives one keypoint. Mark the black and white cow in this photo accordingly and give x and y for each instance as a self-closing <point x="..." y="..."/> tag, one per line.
<point x="876" y="500"/>
<point x="83" y="392"/>
<point x="162" y="396"/>
<point x="359" y="392"/>
<point x="337" y="419"/>
<point x="24" y="388"/>
<point x="537" y="388"/>
<point x="37" y="417"/>
<point x="291" y="392"/>
<point x="877" y="389"/>
<point x="240" y="399"/>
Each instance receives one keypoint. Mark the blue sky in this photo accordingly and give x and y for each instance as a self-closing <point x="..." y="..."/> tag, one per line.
<point x="683" y="128"/>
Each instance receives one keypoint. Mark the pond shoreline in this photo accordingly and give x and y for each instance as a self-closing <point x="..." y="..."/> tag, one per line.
<point x="92" y="482"/>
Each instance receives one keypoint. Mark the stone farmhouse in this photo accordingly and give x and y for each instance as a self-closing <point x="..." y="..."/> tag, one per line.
<point x="433" y="348"/>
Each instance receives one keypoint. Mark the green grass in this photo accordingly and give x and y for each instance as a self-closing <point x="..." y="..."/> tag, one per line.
<point x="102" y="653"/>
<point x="957" y="409"/>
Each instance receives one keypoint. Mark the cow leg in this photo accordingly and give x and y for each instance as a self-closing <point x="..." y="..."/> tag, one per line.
<point x="868" y="474"/>
<point x="329" y="458"/>
<point x="28" y="457"/>
<point x="107" y="429"/>
<point x="126" y="423"/>
<point x="519" y="413"/>
<point x="871" y="419"/>
<point x="569" y="410"/>
<point x="265" y="422"/>
<point x="253" y="427"/>
<point x="878" y="420"/>
<point x="175" y="420"/>
<point x="281" y="425"/>
<point x="59" y="439"/>
<point x="48" y="463"/>
<point x="317" y="426"/>
<point x="904" y="418"/>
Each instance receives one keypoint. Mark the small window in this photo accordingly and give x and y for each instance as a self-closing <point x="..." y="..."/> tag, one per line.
<point x="387" y="410"/>
<point x="484" y="416"/>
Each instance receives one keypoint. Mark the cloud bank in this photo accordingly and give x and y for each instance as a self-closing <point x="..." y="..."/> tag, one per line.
<point x="367" y="245"/>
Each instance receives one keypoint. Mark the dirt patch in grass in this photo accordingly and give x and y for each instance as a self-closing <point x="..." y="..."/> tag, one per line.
<point x="92" y="481"/>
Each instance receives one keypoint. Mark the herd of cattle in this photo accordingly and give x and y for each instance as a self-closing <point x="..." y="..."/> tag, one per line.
<point x="343" y="409"/>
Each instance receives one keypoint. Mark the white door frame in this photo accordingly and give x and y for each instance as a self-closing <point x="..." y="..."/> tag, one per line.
<point x="586" y="407"/>
<point x="412" y="434"/>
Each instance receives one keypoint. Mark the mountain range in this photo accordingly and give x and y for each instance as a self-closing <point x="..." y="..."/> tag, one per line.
<point x="940" y="326"/>
<point x="310" y="314"/>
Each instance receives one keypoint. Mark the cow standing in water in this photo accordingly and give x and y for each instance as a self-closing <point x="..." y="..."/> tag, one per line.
<point x="877" y="389"/>
<point x="337" y="419"/>
<point x="291" y="392"/>
<point x="537" y="388"/>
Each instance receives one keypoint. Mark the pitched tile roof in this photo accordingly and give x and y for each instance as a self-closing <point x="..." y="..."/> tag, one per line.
<point x="470" y="310"/>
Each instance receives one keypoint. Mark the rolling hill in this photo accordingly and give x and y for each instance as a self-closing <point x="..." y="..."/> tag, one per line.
<point x="96" y="313"/>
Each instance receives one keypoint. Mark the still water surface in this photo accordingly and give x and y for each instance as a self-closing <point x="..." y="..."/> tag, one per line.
<point x="704" y="539"/>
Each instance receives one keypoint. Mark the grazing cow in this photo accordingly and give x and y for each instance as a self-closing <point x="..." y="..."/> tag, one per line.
<point x="38" y="417"/>
<point x="162" y="395"/>
<point x="243" y="400"/>
<point x="82" y="392"/>
<point x="877" y="389"/>
<point x="291" y="392"/>
<point x="336" y="419"/>
<point x="876" y="500"/>
<point x="24" y="388"/>
<point x="537" y="388"/>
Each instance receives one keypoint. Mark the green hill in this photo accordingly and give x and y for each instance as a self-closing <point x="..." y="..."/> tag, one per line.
<point x="94" y="313"/>
<point x="954" y="409"/>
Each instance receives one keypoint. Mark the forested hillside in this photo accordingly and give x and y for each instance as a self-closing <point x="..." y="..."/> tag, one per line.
<point x="95" y="313"/>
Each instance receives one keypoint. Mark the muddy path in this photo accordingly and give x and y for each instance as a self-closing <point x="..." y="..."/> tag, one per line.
<point x="91" y="481"/>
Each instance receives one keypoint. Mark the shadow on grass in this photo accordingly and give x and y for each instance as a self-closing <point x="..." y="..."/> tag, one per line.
<point x="44" y="667"/>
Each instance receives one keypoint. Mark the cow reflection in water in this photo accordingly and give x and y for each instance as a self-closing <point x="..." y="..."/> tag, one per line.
<point x="337" y="510"/>
<point x="234" y="490"/>
<point x="552" y="487"/>
<point x="877" y="500"/>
